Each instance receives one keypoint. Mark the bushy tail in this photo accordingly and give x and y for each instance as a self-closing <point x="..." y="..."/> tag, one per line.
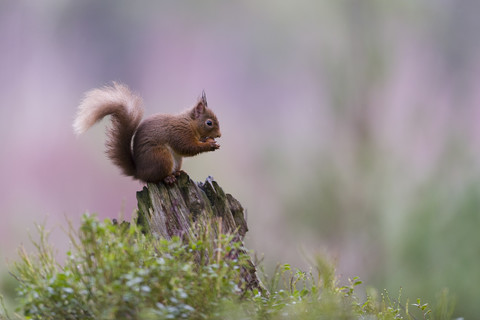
<point x="126" y="111"/>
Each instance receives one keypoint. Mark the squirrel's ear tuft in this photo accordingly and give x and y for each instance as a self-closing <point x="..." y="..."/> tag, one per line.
<point x="204" y="99"/>
<point x="199" y="109"/>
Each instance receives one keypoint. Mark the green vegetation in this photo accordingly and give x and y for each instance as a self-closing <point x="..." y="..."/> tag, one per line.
<point x="116" y="272"/>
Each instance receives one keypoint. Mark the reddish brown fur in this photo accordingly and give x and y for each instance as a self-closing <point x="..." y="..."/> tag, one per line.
<point x="180" y="133"/>
<point x="159" y="142"/>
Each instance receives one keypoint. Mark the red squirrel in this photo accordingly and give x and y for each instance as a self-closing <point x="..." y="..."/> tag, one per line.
<point x="159" y="142"/>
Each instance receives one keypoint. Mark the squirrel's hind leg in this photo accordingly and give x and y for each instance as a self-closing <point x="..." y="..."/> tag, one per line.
<point x="178" y="173"/>
<point x="173" y="177"/>
<point x="170" y="179"/>
<point x="155" y="165"/>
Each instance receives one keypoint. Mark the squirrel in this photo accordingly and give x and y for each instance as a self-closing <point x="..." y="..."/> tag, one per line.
<point x="150" y="150"/>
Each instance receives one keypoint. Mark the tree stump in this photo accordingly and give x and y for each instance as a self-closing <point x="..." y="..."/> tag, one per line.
<point x="167" y="211"/>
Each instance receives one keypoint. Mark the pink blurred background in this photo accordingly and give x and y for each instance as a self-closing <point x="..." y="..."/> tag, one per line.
<point x="349" y="127"/>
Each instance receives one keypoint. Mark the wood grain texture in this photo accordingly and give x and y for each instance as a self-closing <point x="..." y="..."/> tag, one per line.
<point x="167" y="211"/>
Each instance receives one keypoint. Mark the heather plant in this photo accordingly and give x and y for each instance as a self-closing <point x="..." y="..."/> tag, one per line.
<point x="116" y="272"/>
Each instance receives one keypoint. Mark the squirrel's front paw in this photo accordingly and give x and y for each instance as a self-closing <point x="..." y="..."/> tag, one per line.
<point x="213" y="144"/>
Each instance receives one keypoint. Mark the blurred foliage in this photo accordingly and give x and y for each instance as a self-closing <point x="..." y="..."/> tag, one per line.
<point x="116" y="272"/>
<point x="393" y="187"/>
<point x="356" y="122"/>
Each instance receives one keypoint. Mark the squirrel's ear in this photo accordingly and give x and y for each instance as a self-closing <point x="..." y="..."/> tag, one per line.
<point x="204" y="99"/>
<point x="199" y="109"/>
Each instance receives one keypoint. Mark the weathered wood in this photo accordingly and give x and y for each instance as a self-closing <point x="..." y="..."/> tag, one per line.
<point x="167" y="211"/>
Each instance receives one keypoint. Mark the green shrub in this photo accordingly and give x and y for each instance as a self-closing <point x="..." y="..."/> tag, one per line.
<point x="116" y="272"/>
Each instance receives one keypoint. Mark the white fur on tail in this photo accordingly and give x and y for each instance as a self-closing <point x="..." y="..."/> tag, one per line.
<point x="99" y="103"/>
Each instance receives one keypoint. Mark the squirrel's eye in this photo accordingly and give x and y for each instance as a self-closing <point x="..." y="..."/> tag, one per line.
<point x="209" y="122"/>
